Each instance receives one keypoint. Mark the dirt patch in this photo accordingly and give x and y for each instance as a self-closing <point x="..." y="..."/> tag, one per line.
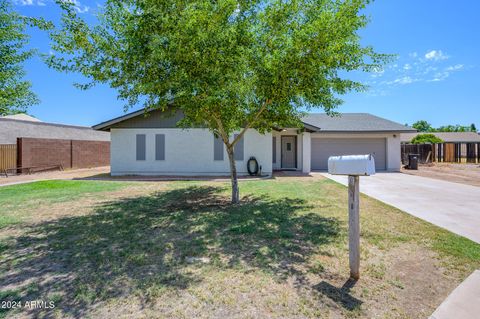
<point x="459" y="173"/>
<point x="67" y="174"/>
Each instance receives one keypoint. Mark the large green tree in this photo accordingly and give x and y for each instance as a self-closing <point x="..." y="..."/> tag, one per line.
<point x="15" y="93"/>
<point x="228" y="65"/>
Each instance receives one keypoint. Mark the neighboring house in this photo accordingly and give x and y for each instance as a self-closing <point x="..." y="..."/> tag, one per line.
<point x="22" y="125"/>
<point x="154" y="145"/>
<point x="447" y="137"/>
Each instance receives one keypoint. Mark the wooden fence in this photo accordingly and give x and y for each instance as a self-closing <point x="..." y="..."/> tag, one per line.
<point x="8" y="156"/>
<point x="445" y="152"/>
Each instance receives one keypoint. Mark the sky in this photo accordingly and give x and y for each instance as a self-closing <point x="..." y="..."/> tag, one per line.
<point x="434" y="76"/>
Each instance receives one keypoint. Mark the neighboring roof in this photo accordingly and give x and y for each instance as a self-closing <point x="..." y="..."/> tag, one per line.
<point x="315" y="122"/>
<point x="21" y="116"/>
<point x="354" y="122"/>
<point x="10" y="129"/>
<point x="448" y="137"/>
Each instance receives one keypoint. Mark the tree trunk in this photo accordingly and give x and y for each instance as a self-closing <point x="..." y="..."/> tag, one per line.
<point x="233" y="177"/>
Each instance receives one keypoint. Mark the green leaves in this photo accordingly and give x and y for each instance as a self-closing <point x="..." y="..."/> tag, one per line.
<point x="426" y="139"/>
<point x="227" y="65"/>
<point x="221" y="59"/>
<point x="15" y="94"/>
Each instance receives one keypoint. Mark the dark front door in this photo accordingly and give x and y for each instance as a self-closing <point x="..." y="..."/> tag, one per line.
<point x="289" y="152"/>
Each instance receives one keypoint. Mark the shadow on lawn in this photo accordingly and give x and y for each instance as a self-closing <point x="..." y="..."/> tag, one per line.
<point x="142" y="243"/>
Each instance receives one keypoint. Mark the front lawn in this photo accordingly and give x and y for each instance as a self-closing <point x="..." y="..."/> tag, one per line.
<point x="180" y="250"/>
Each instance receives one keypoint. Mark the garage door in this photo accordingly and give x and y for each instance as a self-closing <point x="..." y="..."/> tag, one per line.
<point x="323" y="148"/>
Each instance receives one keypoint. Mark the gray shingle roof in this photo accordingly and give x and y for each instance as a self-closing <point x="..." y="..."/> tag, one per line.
<point x="449" y="137"/>
<point x="10" y="129"/>
<point x="353" y="122"/>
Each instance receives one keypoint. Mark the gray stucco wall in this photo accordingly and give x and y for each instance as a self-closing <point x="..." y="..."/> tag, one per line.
<point x="154" y="119"/>
<point x="11" y="129"/>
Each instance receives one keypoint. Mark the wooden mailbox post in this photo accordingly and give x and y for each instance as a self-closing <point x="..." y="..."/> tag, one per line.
<point x="354" y="166"/>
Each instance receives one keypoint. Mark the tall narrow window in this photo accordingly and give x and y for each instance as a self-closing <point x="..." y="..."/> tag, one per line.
<point x="238" y="149"/>
<point x="159" y="147"/>
<point x="141" y="147"/>
<point x="217" y="148"/>
<point x="274" y="149"/>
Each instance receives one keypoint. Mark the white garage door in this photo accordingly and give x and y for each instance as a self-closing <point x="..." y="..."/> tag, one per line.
<point x="323" y="148"/>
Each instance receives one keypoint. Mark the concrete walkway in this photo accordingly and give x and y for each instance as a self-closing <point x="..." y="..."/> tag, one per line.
<point x="463" y="302"/>
<point x="453" y="206"/>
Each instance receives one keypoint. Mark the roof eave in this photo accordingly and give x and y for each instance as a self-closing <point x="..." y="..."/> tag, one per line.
<point x="105" y="126"/>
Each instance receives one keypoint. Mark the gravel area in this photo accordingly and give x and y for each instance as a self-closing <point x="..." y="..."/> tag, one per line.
<point x="458" y="173"/>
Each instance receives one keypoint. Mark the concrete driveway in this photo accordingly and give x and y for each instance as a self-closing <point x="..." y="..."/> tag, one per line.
<point x="453" y="206"/>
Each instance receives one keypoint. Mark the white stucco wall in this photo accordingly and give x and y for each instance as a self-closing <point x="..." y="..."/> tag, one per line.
<point x="187" y="152"/>
<point x="393" y="156"/>
<point x="307" y="152"/>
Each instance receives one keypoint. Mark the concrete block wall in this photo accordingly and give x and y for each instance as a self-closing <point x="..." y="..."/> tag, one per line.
<point x="33" y="152"/>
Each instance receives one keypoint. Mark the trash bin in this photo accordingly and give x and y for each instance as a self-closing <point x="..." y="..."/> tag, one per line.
<point x="413" y="161"/>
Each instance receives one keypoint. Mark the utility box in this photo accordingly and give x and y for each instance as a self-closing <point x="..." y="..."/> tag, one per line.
<point x="355" y="165"/>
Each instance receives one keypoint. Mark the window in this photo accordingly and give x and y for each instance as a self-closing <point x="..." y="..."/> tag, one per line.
<point x="289" y="146"/>
<point x="160" y="147"/>
<point x="141" y="147"/>
<point x="238" y="149"/>
<point x="274" y="149"/>
<point x="217" y="148"/>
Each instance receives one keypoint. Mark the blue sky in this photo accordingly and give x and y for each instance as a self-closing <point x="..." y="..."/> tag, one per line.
<point x="435" y="75"/>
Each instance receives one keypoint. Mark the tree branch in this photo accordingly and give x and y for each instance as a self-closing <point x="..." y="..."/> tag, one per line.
<point x="250" y="124"/>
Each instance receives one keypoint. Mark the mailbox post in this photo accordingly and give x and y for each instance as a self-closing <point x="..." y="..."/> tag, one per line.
<point x="354" y="166"/>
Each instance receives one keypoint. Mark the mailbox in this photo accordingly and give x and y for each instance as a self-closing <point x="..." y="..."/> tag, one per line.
<point x="356" y="165"/>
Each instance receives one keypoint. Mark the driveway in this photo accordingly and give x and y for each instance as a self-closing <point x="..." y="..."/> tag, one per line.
<point x="453" y="206"/>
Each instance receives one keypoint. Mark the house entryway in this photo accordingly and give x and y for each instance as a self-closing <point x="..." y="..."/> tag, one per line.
<point x="289" y="152"/>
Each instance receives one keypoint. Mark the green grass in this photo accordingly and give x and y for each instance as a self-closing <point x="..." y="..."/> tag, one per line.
<point x="17" y="200"/>
<point x="281" y="252"/>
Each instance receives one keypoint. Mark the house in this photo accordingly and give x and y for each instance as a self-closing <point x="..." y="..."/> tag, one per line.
<point x="154" y="145"/>
<point x="22" y="125"/>
<point x="447" y="137"/>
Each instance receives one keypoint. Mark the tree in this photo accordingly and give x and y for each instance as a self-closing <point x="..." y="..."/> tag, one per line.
<point x="454" y="128"/>
<point x="422" y="126"/>
<point x="426" y="139"/>
<point x="473" y="128"/>
<point x="15" y="93"/>
<point x="228" y="65"/>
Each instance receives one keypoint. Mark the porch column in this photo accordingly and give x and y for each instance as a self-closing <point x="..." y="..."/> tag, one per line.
<point x="306" y="152"/>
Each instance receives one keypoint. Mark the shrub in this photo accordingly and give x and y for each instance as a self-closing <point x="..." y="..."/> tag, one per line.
<point x="426" y="139"/>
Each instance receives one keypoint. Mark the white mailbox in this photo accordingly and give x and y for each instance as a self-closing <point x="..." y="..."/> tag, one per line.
<point x="356" y="165"/>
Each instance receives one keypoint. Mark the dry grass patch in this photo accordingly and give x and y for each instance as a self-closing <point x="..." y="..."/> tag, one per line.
<point x="180" y="250"/>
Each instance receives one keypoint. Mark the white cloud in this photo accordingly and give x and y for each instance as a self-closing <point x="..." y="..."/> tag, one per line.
<point x="79" y="7"/>
<point x="456" y="67"/>
<point x="436" y="55"/>
<point x="413" y="55"/>
<point x="403" y="80"/>
<point x="407" y="66"/>
<point x="440" y="76"/>
<point x="378" y="72"/>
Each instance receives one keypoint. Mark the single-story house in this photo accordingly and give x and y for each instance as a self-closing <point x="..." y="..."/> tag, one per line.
<point x="23" y="125"/>
<point x="154" y="145"/>
<point x="447" y="137"/>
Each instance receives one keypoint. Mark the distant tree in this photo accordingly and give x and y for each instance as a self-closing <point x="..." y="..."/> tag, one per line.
<point x="422" y="126"/>
<point x="426" y="139"/>
<point x="15" y="93"/>
<point x="473" y="128"/>
<point x="227" y="65"/>
<point x="454" y="128"/>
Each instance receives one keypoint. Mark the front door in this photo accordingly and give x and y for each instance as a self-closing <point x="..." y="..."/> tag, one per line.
<point x="289" y="152"/>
